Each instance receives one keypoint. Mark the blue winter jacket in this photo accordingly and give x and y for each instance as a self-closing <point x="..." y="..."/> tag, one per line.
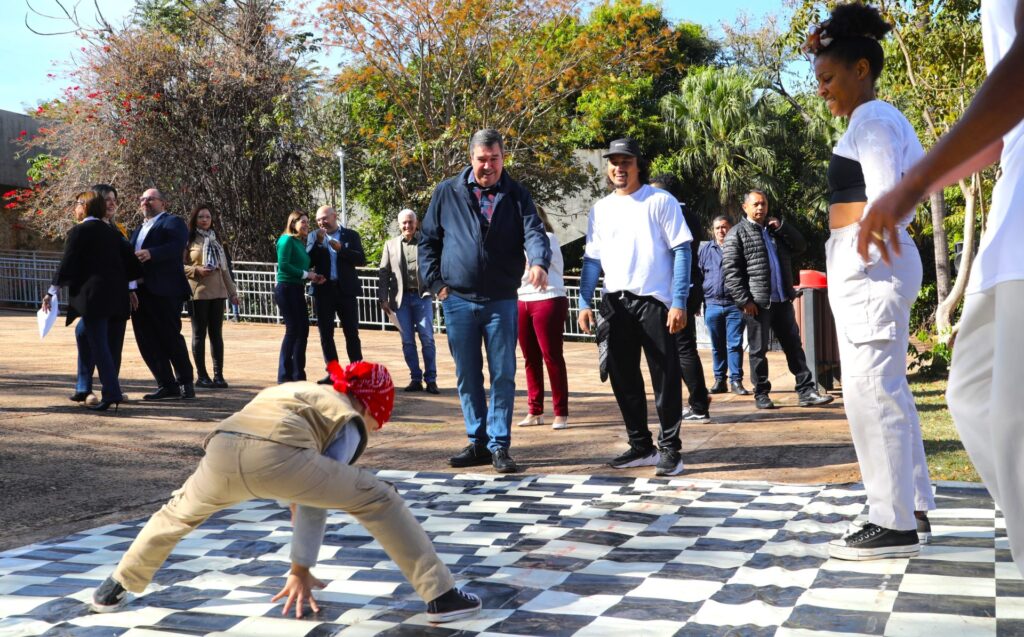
<point x="477" y="260"/>
<point x="709" y="260"/>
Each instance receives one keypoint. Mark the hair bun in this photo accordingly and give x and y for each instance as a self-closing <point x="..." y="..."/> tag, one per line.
<point x="857" y="20"/>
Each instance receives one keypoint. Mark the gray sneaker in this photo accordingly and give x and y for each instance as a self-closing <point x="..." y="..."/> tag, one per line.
<point x="109" y="596"/>
<point x="670" y="463"/>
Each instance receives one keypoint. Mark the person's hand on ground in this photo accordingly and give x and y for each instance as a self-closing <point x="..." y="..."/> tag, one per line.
<point x="298" y="588"/>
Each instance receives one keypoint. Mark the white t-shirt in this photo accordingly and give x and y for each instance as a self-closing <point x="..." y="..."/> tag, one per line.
<point x="999" y="257"/>
<point x="556" y="282"/>
<point x="633" y="236"/>
<point x="882" y="140"/>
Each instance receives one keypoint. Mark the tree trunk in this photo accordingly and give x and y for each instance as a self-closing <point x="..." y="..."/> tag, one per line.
<point x="944" y="312"/>
<point x="941" y="245"/>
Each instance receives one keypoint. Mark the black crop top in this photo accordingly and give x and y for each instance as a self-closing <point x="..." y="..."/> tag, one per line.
<point x="845" y="180"/>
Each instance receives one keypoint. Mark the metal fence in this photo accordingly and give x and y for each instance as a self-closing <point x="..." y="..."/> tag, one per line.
<point x="25" y="275"/>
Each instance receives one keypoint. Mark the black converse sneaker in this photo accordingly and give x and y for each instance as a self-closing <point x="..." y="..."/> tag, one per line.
<point x="692" y="415"/>
<point x="670" y="463"/>
<point x="873" y="542"/>
<point x="636" y="457"/>
<point x="109" y="596"/>
<point x="924" y="527"/>
<point x="451" y="606"/>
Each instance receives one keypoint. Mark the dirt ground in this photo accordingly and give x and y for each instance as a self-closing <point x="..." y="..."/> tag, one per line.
<point x="63" y="468"/>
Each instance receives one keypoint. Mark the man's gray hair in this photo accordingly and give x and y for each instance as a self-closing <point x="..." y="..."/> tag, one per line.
<point x="404" y="212"/>
<point x="486" y="137"/>
<point x="754" y="191"/>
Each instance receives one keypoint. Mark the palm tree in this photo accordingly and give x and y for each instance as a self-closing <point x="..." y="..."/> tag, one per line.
<point x="722" y="127"/>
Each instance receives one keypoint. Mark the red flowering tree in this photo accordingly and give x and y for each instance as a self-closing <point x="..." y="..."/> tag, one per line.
<point x="200" y="101"/>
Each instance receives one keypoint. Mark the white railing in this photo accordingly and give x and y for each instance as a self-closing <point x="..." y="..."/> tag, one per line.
<point x="25" y="275"/>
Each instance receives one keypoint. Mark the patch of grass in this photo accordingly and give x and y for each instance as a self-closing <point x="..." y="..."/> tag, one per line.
<point x="947" y="459"/>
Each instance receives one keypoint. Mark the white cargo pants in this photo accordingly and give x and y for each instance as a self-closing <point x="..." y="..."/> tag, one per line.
<point x="871" y="304"/>
<point x="984" y="383"/>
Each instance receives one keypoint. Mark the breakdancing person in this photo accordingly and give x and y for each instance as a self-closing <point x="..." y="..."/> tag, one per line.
<point x="297" y="442"/>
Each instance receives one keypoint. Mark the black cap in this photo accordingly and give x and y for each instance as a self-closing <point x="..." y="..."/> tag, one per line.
<point x="623" y="146"/>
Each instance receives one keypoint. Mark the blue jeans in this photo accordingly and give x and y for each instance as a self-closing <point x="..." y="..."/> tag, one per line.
<point x="96" y="333"/>
<point x="86" y="364"/>
<point x="291" y="301"/>
<point x="416" y="316"/>
<point x="725" y="325"/>
<point x="493" y="324"/>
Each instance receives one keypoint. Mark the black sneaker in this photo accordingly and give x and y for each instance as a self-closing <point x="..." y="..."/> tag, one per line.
<point x="432" y="388"/>
<point x="739" y="389"/>
<point x="762" y="401"/>
<point x="814" y="399"/>
<point x="924" y="527"/>
<point x="719" y="387"/>
<point x="692" y="415"/>
<point x="204" y="383"/>
<point x="451" y="606"/>
<point x="109" y="596"/>
<point x="414" y="386"/>
<point x="471" y="456"/>
<point x="670" y="463"/>
<point x="503" y="463"/>
<point x="873" y="542"/>
<point x="636" y="457"/>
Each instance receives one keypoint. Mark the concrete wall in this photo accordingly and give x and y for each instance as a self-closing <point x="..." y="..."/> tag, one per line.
<point x="12" y="170"/>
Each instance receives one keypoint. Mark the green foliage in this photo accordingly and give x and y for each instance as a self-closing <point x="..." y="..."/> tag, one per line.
<point x="933" y="358"/>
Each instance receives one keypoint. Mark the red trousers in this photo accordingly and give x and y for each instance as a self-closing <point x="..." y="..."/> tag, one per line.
<point x="541" y="324"/>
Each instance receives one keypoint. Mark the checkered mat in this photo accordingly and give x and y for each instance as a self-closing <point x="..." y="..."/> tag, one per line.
<point x="554" y="556"/>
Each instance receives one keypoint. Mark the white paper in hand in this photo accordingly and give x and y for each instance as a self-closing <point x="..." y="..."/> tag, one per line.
<point x="47" y="319"/>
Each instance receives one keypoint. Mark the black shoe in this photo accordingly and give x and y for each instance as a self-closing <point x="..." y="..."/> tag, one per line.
<point x="873" y="542"/>
<point x="692" y="415"/>
<point x="414" y="386"/>
<point x="739" y="389"/>
<point x="219" y="382"/>
<point x="104" y="405"/>
<point x="109" y="596"/>
<point x="326" y="380"/>
<point x="452" y="605"/>
<point x="813" y="399"/>
<point x="188" y="390"/>
<point x="924" y="527"/>
<point x="670" y="463"/>
<point x="762" y="401"/>
<point x="204" y="383"/>
<point x="503" y="463"/>
<point x="636" y="457"/>
<point x="718" y="387"/>
<point x="471" y="456"/>
<point x="79" y="396"/>
<point x="163" y="393"/>
<point x="432" y="388"/>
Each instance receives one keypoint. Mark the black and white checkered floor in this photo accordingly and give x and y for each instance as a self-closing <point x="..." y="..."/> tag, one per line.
<point x="552" y="556"/>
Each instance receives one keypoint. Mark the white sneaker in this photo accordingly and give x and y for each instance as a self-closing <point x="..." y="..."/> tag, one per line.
<point x="531" y="420"/>
<point x="561" y="422"/>
<point x="91" y="400"/>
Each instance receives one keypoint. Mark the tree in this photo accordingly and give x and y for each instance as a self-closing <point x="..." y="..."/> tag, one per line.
<point x="203" y="100"/>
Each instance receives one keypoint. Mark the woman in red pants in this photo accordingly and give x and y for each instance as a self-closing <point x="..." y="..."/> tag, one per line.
<point x="542" y="314"/>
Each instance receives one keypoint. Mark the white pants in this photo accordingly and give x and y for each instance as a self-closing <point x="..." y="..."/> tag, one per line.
<point x="871" y="304"/>
<point x="982" y="396"/>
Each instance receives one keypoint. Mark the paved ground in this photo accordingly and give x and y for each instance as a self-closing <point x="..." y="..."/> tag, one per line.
<point x="63" y="469"/>
<point x="552" y="556"/>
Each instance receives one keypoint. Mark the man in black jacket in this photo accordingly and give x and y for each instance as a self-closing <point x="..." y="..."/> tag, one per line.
<point x="759" y="277"/>
<point x="336" y="252"/>
<point x="471" y="257"/>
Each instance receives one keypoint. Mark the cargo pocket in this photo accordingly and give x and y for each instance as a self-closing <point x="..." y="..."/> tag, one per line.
<point x="861" y="333"/>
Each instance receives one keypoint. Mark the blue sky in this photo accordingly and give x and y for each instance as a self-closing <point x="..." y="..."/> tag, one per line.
<point x="27" y="58"/>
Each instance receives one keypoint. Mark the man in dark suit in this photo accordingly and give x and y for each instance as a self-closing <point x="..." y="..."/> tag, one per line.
<point x="336" y="252"/>
<point x="159" y="244"/>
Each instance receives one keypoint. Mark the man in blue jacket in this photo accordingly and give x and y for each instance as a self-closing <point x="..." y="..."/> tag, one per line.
<point x="471" y="257"/>
<point x="721" y="316"/>
<point x="159" y="244"/>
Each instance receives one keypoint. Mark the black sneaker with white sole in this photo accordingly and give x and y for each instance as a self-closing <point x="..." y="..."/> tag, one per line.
<point x="924" y="527"/>
<point x="692" y="415"/>
<point x="636" y="457"/>
<point x="451" y="606"/>
<point x="670" y="463"/>
<point x="109" y="596"/>
<point x="873" y="542"/>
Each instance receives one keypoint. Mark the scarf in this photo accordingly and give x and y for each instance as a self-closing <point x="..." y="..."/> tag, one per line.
<point x="213" y="253"/>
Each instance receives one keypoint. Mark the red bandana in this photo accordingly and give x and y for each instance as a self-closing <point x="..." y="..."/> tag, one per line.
<point x="370" y="383"/>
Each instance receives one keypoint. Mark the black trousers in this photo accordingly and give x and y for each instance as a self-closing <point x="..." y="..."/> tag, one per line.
<point x="208" y="318"/>
<point x="157" y="325"/>
<point x="637" y="323"/>
<point x="691" y="367"/>
<point x="328" y="302"/>
<point x="780" y="319"/>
